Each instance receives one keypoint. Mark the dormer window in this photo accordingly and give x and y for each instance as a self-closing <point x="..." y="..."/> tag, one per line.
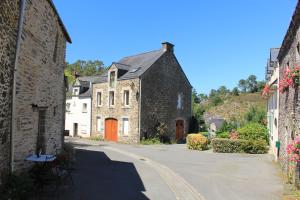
<point x="112" y="79"/>
<point x="75" y="91"/>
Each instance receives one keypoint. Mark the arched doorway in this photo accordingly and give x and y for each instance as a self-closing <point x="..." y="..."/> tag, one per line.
<point x="111" y="129"/>
<point x="179" y="129"/>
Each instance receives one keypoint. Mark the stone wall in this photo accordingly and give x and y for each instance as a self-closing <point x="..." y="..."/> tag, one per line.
<point x="40" y="82"/>
<point x="289" y="109"/>
<point x="160" y="87"/>
<point x="119" y="111"/>
<point x="9" y="16"/>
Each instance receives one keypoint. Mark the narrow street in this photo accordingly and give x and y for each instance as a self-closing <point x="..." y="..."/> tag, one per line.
<point x="117" y="171"/>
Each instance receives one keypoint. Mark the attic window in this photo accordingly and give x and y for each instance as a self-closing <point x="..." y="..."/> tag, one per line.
<point x="134" y="70"/>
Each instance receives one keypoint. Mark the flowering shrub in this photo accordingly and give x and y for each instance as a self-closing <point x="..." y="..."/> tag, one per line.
<point x="197" y="142"/>
<point x="291" y="78"/>
<point x="266" y="91"/>
<point x="234" y="135"/>
<point x="293" y="150"/>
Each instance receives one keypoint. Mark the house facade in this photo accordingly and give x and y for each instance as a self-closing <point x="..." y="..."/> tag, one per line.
<point x="289" y="109"/>
<point x="138" y="93"/>
<point x="32" y="84"/>
<point x="79" y="107"/>
<point x="272" y="78"/>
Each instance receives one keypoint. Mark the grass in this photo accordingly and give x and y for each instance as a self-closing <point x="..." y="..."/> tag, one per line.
<point x="235" y="107"/>
<point x="95" y="138"/>
<point x="150" y="141"/>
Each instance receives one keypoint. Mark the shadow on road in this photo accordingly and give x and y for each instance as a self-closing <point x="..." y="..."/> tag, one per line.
<point x="97" y="177"/>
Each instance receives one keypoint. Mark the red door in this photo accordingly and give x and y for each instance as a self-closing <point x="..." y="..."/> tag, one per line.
<point x="179" y="129"/>
<point x="111" y="130"/>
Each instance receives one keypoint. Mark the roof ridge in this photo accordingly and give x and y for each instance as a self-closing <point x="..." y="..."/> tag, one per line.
<point x="121" y="64"/>
<point x="142" y="53"/>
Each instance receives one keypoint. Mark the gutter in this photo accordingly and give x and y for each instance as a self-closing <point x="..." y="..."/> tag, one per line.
<point x="18" y="44"/>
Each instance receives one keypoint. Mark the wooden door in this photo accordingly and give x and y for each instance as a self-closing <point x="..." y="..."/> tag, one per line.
<point x="111" y="130"/>
<point x="179" y="129"/>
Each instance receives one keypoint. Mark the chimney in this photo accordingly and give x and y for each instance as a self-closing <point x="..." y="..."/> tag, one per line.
<point x="167" y="46"/>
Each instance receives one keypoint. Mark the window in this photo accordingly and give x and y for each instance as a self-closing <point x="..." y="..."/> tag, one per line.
<point x="126" y="97"/>
<point x="68" y="106"/>
<point x="99" y="124"/>
<point x="84" y="107"/>
<point x="180" y="101"/>
<point x="99" y="98"/>
<point x="125" y="126"/>
<point x="112" y="79"/>
<point x="111" y="98"/>
<point x="75" y="92"/>
<point x="298" y="48"/>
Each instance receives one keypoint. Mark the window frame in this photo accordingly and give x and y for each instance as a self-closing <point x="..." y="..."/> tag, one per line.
<point x="112" y="83"/>
<point x="97" y="98"/>
<point x="109" y="98"/>
<point x="126" y="97"/>
<point x="123" y="127"/>
<point x="84" y="110"/>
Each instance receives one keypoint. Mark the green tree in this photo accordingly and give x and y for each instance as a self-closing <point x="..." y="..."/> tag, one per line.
<point x="223" y="90"/>
<point x="251" y="83"/>
<point x="235" y="91"/>
<point x="256" y="115"/>
<point x="243" y="85"/>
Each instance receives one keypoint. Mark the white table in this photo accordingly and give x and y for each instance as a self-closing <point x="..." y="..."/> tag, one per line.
<point x="42" y="158"/>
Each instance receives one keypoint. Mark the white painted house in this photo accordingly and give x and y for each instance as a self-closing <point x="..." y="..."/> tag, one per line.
<point x="79" y="107"/>
<point x="272" y="77"/>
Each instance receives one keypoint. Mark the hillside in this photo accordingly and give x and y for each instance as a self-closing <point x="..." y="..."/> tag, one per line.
<point x="235" y="107"/>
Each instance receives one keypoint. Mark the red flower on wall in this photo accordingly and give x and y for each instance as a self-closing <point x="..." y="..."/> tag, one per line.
<point x="291" y="78"/>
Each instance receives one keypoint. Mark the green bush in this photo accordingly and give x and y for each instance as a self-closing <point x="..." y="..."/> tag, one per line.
<point x="255" y="147"/>
<point x="197" y="142"/>
<point x="223" y="135"/>
<point x="222" y="145"/>
<point x="253" y="131"/>
<point x="150" y="141"/>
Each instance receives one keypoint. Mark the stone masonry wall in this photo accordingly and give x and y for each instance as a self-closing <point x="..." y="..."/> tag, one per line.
<point x="40" y="82"/>
<point x="119" y="111"/>
<point x="289" y="109"/>
<point x="160" y="87"/>
<point x="9" y="15"/>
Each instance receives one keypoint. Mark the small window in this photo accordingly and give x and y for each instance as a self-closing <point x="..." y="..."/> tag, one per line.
<point x="99" y="98"/>
<point x="288" y="63"/>
<point x="125" y="128"/>
<point x="111" y="98"/>
<point x="99" y="127"/>
<point x="112" y="79"/>
<point x="75" y="92"/>
<point x="298" y="48"/>
<point x="180" y="101"/>
<point x="84" y="107"/>
<point x="126" y="97"/>
<point x="68" y="106"/>
<point x="55" y="48"/>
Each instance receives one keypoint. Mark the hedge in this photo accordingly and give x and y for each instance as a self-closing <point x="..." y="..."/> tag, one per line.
<point x="222" y="145"/>
<point x="253" y="131"/>
<point x="197" y="142"/>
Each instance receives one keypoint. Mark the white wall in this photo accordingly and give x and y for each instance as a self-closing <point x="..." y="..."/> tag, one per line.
<point x="273" y="113"/>
<point x="76" y="115"/>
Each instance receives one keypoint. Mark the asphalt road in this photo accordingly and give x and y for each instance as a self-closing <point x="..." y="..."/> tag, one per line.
<point x="112" y="171"/>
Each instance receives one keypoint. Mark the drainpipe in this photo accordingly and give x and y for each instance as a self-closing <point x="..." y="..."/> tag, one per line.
<point x="140" y="108"/>
<point x="18" y="44"/>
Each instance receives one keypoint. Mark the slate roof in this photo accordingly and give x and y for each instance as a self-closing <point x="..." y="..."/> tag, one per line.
<point x="85" y="83"/>
<point x="135" y="65"/>
<point x="274" y="54"/>
<point x="68" y="38"/>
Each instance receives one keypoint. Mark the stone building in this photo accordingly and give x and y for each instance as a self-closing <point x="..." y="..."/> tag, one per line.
<point x="289" y="109"/>
<point x="139" y="93"/>
<point x="32" y="84"/>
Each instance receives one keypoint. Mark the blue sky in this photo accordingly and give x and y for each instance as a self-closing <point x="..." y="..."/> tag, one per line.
<point x="217" y="42"/>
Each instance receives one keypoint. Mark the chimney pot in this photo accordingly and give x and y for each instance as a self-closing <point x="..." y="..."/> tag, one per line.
<point x="167" y="46"/>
